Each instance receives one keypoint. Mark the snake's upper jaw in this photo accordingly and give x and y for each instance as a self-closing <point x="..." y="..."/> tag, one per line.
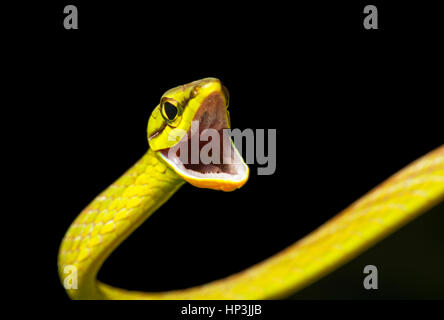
<point x="206" y="157"/>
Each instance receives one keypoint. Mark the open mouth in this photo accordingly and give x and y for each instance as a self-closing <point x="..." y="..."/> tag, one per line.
<point x="206" y="156"/>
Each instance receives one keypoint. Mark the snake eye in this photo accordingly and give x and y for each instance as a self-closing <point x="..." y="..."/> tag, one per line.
<point x="171" y="109"/>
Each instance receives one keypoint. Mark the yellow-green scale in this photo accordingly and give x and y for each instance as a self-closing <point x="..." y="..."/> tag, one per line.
<point x="111" y="217"/>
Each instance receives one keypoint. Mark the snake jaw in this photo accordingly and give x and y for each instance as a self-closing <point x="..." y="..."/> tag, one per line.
<point x="229" y="171"/>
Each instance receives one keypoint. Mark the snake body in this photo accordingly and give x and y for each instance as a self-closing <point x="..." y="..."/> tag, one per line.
<point x="113" y="215"/>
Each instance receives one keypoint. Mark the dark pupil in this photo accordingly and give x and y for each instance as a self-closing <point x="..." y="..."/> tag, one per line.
<point x="170" y="110"/>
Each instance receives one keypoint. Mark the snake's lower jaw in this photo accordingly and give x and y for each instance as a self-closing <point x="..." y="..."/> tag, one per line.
<point x="227" y="174"/>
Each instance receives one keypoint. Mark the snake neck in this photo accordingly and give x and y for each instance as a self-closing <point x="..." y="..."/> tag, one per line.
<point x="109" y="219"/>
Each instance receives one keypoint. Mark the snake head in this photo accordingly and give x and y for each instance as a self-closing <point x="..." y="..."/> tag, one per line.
<point x="187" y="131"/>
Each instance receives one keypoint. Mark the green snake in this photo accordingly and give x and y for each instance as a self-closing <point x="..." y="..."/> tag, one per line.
<point x="114" y="214"/>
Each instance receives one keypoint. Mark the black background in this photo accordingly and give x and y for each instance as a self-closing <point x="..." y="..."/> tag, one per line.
<point x="351" y="107"/>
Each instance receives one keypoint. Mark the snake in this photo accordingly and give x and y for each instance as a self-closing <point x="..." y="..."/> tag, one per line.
<point x="122" y="207"/>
